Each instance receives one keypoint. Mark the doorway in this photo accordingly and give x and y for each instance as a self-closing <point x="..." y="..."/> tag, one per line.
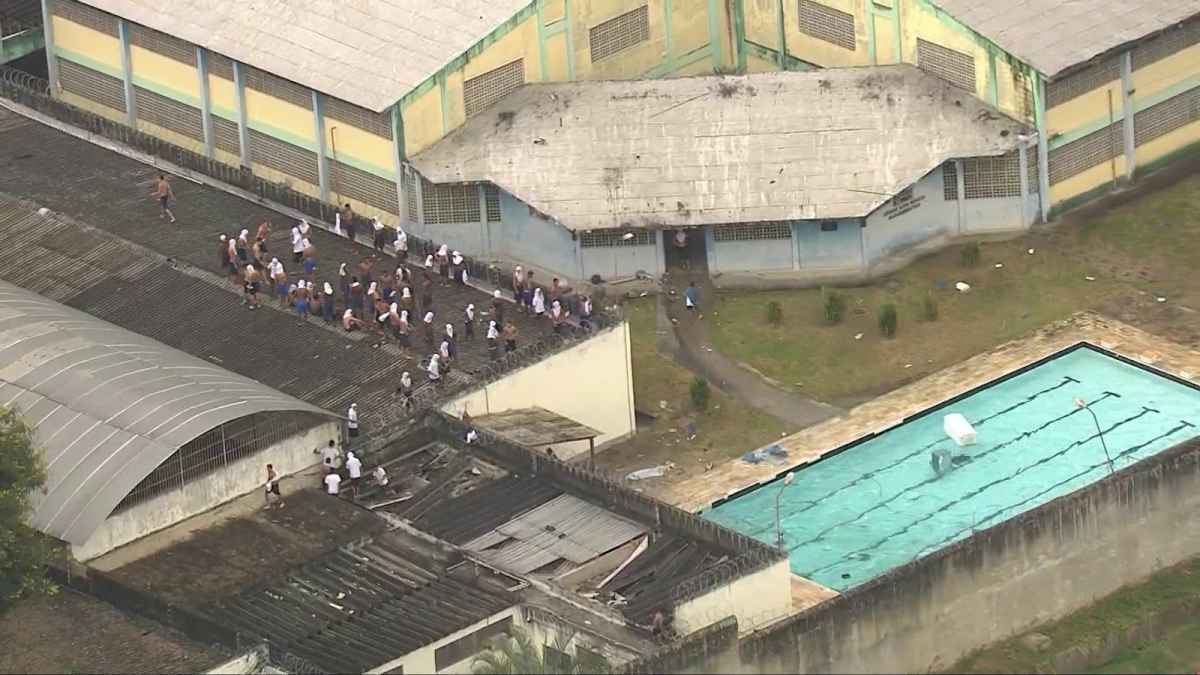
<point x="686" y="255"/>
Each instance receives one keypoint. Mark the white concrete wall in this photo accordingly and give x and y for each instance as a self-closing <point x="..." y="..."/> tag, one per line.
<point x="248" y="474"/>
<point x="591" y="382"/>
<point x="250" y="662"/>
<point x="756" y="600"/>
<point x="423" y="661"/>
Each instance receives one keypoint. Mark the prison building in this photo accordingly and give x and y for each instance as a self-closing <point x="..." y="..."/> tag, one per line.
<point x="136" y="435"/>
<point x="827" y="173"/>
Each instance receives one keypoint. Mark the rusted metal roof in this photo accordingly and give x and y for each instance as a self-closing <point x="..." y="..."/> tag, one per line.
<point x="535" y="427"/>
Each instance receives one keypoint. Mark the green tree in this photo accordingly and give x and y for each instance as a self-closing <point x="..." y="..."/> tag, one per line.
<point x="517" y="654"/>
<point x="24" y="552"/>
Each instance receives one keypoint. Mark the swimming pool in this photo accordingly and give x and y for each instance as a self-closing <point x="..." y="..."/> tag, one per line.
<point x="879" y="503"/>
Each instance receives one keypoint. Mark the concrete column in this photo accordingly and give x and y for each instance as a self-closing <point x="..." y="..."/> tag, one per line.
<point x="1023" y="168"/>
<point x="205" y="102"/>
<point x="318" y="104"/>
<point x="960" y="190"/>
<point x="796" y="225"/>
<point x="419" y="186"/>
<point x="660" y="252"/>
<point x="710" y="249"/>
<point x="484" y="239"/>
<point x="239" y="86"/>
<point x="1127" y="123"/>
<point x="398" y="163"/>
<point x="1043" y="152"/>
<point x="862" y="245"/>
<point x="51" y="58"/>
<point x="127" y="73"/>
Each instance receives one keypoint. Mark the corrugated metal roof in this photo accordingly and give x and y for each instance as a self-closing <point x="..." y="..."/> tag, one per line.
<point x="565" y="528"/>
<point x="710" y="150"/>
<point x="367" y="52"/>
<point x="108" y="405"/>
<point x="1053" y="35"/>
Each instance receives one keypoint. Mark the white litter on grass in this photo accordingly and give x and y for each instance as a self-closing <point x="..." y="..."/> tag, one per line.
<point x="1161" y="299"/>
<point x="999" y="265"/>
<point x="908" y="365"/>
<point x="1030" y="251"/>
<point x="962" y="286"/>
<point x="43" y="211"/>
<point x="1090" y="278"/>
<point x="858" y="336"/>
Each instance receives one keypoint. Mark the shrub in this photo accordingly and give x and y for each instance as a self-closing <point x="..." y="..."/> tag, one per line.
<point x="929" y="307"/>
<point x="887" y="320"/>
<point x="700" y="393"/>
<point x="774" y="313"/>
<point x="834" y="304"/>
<point x="970" y="254"/>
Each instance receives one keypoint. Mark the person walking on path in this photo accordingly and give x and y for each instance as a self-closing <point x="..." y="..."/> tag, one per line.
<point x="272" y="487"/>
<point x="164" y="193"/>
<point x="691" y="299"/>
<point x="406" y="391"/>
<point x="352" y="420"/>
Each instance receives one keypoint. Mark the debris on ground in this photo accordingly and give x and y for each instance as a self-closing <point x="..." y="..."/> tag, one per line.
<point x="999" y="265"/>
<point x="1090" y="278"/>
<point x="962" y="286"/>
<point x="757" y="456"/>
<point x="651" y="472"/>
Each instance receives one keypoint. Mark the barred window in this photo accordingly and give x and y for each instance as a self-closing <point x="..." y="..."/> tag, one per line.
<point x="168" y="113"/>
<point x="1031" y="167"/>
<point x="220" y="65"/>
<point x="277" y="87"/>
<point x="450" y="202"/>
<point x="829" y="225"/>
<point x="619" y="33"/>
<point x="952" y="66"/>
<point x="379" y="124"/>
<point x="753" y="231"/>
<point x="992" y="177"/>
<point x="950" y="181"/>
<point x="482" y="91"/>
<point x="364" y="186"/>
<point x="491" y="199"/>
<point x="610" y="238"/>
<point x="91" y="84"/>
<point x="161" y="43"/>
<point x="225" y="135"/>
<point x="1162" y="118"/>
<point x="1084" y="153"/>
<point x="827" y="23"/>
<point x="410" y="194"/>
<point x="1170" y="41"/>
<point x="1082" y="81"/>
<point x="83" y="15"/>
<point x="297" y="162"/>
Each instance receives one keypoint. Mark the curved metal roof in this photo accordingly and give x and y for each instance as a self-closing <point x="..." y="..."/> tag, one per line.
<point x="108" y="405"/>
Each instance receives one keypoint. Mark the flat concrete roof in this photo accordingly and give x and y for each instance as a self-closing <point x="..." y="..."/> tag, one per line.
<point x="535" y="427"/>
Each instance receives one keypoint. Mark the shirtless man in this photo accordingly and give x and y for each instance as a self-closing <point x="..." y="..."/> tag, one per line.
<point x="264" y="233"/>
<point x="164" y="193"/>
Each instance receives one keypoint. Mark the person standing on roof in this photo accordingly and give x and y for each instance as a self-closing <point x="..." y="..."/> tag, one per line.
<point x="332" y="481"/>
<point x="327" y="303"/>
<point x="434" y="370"/>
<point x="164" y="194"/>
<point x="345" y="220"/>
<point x="406" y="391"/>
<point x="469" y="323"/>
<point x="379" y="234"/>
<point x="302" y="297"/>
<point x="264" y="233"/>
<point x="354" y="468"/>
<point x="251" y="287"/>
<point x="297" y="244"/>
<point x="329" y="455"/>
<point x="401" y="245"/>
<point x="427" y="330"/>
<point x="352" y="420"/>
<point x="518" y="284"/>
<point x="272" y="487"/>
<point x="539" y="302"/>
<point x="498" y="307"/>
<point x="443" y="263"/>
<point x="457" y="269"/>
<point x="510" y="338"/>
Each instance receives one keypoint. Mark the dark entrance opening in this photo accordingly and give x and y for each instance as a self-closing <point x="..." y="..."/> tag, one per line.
<point x="686" y="254"/>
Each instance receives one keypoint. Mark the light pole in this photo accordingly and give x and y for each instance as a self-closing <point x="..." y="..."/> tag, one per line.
<point x="1082" y="405"/>
<point x="787" y="480"/>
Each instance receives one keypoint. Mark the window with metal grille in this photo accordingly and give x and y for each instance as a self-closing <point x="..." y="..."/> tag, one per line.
<point x="168" y="113"/>
<point x="829" y="226"/>
<point x="491" y="199"/>
<point x="992" y="177"/>
<point x="161" y="43"/>
<point x="215" y="449"/>
<point x="365" y="187"/>
<point x="450" y="202"/>
<point x="1080" y="82"/>
<point x="752" y="231"/>
<point x="950" y="181"/>
<point x="83" y="15"/>
<point x="297" y="162"/>
<point x="469" y="645"/>
<point x="952" y="66"/>
<point x="611" y="238"/>
<point x="481" y="91"/>
<point x="1162" y="118"/>
<point x="277" y="87"/>
<point x="1166" y="43"/>
<point x="410" y="194"/>
<point x="379" y="124"/>
<point x="1084" y="153"/>
<point x="1031" y="167"/>
<point x="619" y="33"/>
<point x="220" y="65"/>
<point x="826" y="23"/>
<point x="91" y="84"/>
<point x="225" y="135"/>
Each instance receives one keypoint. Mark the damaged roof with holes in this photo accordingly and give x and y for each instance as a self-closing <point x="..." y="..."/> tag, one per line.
<point x="1053" y="35"/>
<point x="535" y="427"/>
<point x="365" y="605"/>
<point x="368" y="52"/>
<point x="695" y="151"/>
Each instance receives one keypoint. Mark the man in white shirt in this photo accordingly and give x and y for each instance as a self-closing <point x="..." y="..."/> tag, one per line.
<point x="380" y="476"/>
<point x="332" y="481"/>
<point x="329" y="455"/>
<point x="297" y="244"/>
<point x="354" y="468"/>
<point x="352" y="420"/>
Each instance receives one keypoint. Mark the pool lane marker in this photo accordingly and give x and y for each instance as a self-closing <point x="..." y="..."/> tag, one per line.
<point x="998" y="481"/>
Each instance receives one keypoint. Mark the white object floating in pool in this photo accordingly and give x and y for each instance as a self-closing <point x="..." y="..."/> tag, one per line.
<point x="957" y="427"/>
<point x="999" y="265"/>
<point x="963" y="286"/>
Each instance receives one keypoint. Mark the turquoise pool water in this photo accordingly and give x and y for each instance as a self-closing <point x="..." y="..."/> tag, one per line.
<point x="879" y="503"/>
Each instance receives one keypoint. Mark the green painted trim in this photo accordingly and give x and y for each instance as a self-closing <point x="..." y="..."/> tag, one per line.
<point x="669" y="57"/>
<point x="1140" y="103"/>
<point x="166" y="91"/>
<point x="871" y="33"/>
<point x="556" y="27"/>
<point x="950" y="21"/>
<point x="87" y="62"/>
<point x="739" y="33"/>
<point x="714" y="34"/>
<point x="685" y="60"/>
<point x="1081" y="199"/>
<point x="1083" y="130"/>
<point x="781" y="32"/>
<point x="227" y="114"/>
<point x="398" y="132"/>
<point x="570" y="40"/>
<point x="1039" y="105"/>
<point x="283" y="135"/>
<point x="993" y="80"/>
<point x="543" y="65"/>
<point x="445" y="99"/>
<point x="769" y="54"/>
<point x="363" y="165"/>
<point x="898" y="33"/>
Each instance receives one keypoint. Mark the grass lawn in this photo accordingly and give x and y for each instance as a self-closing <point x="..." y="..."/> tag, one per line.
<point x="726" y="430"/>
<point x="1135" y="253"/>
<point x="1179" y="651"/>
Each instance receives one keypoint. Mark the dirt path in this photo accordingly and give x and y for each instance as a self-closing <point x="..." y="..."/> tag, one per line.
<point x="694" y="350"/>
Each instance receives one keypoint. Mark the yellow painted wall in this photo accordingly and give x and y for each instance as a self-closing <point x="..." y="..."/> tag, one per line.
<point x="1167" y="72"/>
<point x="222" y="95"/>
<point x="761" y="22"/>
<point x="886" y="47"/>
<point x="1091" y="179"/>
<point x="918" y="22"/>
<point x="756" y="600"/>
<point x="756" y="65"/>
<point x="269" y="174"/>
<point x="81" y="40"/>
<point x="826" y="54"/>
<point x="88" y="104"/>
<point x="1086" y="110"/>
<point x="689" y="30"/>
<point x="226" y="157"/>
<point x="280" y="115"/>
<point x="629" y="63"/>
<point x="556" y="58"/>
<point x="164" y="73"/>
<point x="702" y="67"/>
<point x="553" y="10"/>
<point x="423" y="121"/>
<point x="456" y="107"/>
<point x="1165" y="145"/>
<point x="172" y="137"/>
<point x="553" y="384"/>
<point x="350" y="141"/>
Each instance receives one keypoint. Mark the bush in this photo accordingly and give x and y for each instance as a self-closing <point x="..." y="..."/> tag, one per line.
<point x="970" y="254"/>
<point x="929" y="307"/>
<point x="700" y="393"/>
<point x="887" y="320"/>
<point x="774" y="313"/>
<point x="834" y="304"/>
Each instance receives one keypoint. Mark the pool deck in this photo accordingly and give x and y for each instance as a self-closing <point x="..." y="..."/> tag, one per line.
<point x="885" y="411"/>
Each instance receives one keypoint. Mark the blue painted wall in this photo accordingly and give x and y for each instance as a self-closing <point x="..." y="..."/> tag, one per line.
<point x="615" y="262"/>
<point x="839" y="249"/>
<point x="755" y="254"/>
<point x="889" y="233"/>
<point x="528" y="238"/>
